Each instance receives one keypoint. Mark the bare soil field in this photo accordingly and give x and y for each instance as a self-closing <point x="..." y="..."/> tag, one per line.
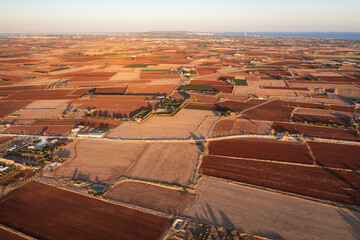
<point x="41" y="95"/>
<point x="96" y="123"/>
<point x="42" y="109"/>
<point x="266" y="149"/>
<point x="157" y="197"/>
<point x="315" y="131"/>
<point x="39" y="130"/>
<point x="226" y="105"/>
<point x="270" y="215"/>
<point x="92" y="76"/>
<point x="335" y="185"/>
<point x="7" y="235"/>
<point x="320" y="119"/>
<point x="227" y="127"/>
<point x="150" y="89"/>
<point x="336" y="155"/>
<point x="157" y="75"/>
<point x="113" y="90"/>
<point x="8" y="107"/>
<point x="115" y="107"/>
<point x="42" y="211"/>
<point x="182" y="125"/>
<point x="323" y="113"/>
<point x="231" y="97"/>
<point x="206" y="70"/>
<point x="286" y="88"/>
<point x="97" y="160"/>
<point x="319" y="106"/>
<point x="204" y="98"/>
<point x="271" y="111"/>
<point x="172" y="163"/>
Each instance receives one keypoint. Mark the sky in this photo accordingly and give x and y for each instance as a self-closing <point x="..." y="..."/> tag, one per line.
<point x="59" y="16"/>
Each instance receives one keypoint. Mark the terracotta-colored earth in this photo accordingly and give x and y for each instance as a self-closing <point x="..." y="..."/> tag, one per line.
<point x="266" y="149"/>
<point x="335" y="185"/>
<point x="42" y="211"/>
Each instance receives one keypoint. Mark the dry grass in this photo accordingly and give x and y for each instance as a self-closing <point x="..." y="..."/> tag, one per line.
<point x="183" y="125"/>
<point x="157" y="197"/>
<point x="97" y="160"/>
<point x="172" y="163"/>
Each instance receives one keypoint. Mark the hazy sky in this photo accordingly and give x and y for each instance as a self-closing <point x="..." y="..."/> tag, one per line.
<point x="37" y="16"/>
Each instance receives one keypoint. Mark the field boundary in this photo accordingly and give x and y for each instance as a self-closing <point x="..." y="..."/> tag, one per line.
<point x="289" y="194"/>
<point x="23" y="235"/>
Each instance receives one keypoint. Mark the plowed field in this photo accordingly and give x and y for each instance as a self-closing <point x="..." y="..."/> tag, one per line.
<point x="334" y="185"/>
<point x="46" y="212"/>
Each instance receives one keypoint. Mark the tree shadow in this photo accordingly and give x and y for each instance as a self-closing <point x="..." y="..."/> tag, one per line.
<point x="352" y="221"/>
<point x="268" y="234"/>
<point x="77" y="175"/>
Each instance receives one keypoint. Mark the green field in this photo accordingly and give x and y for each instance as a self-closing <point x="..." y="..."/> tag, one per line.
<point x="207" y="64"/>
<point x="195" y="87"/>
<point x="137" y="65"/>
<point x="240" y="82"/>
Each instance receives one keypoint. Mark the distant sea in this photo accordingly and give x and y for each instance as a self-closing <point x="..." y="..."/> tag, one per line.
<point x="323" y="35"/>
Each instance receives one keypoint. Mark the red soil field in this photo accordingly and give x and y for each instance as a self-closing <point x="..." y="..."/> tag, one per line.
<point x="271" y="111"/>
<point x="342" y="79"/>
<point x="4" y="139"/>
<point x="206" y="70"/>
<point x="79" y="92"/>
<point x="156" y="75"/>
<point x="114" y="90"/>
<point x="319" y="106"/>
<point x="319" y="83"/>
<point x="204" y="98"/>
<point x="266" y="149"/>
<point x="8" y="107"/>
<point x="335" y="185"/>
<point x="316" y="131"/>
<point x="4" y="234"/>
<point x="234" y="97"/>
<point x="22" y="61"/>
<point x="10" y="80"/>
<point x="322" y="119"/>
<point x="150" y="89"/>
<point x="205" y="82"/>
<point x="320" y="96"/>
<point x="39" y="130"/>
<point x="97" y="123"/>
<point x="223" y="89"/>
<point x="41" y="95"/>
<point x="46" y="212"/>
<point x="180" y="95"/>
<point x="336" y="155"/>
<point x="22" y="88"/>
<point x="116" y="108"/>
<point x="286" y="88"/>
<point x="82" y="59"/>
<point x="227" y="105"/>
<point x="274" y="72"/>
<point x="92" y="76"/>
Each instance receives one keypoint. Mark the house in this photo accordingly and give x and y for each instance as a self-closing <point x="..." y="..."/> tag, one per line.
<point x="97" y="134"/>
<point x="97" y="188"/>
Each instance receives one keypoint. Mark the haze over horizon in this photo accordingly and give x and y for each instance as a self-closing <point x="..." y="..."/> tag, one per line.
<point x="41" y="16"/>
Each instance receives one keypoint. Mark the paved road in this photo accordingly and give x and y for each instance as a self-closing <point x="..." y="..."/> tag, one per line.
<point x="270" y="214"/>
